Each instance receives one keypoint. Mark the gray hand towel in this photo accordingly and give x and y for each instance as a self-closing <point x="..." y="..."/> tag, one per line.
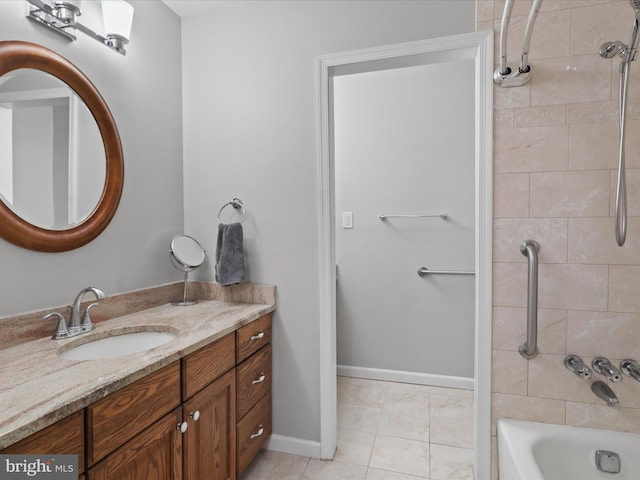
<point x="229" y="255"/>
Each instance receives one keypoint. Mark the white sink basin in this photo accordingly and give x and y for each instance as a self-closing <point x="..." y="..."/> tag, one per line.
<point x="117" y="344"/>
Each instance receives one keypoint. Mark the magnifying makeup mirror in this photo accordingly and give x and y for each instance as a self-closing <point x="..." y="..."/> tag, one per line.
<point x="186" y="255"/>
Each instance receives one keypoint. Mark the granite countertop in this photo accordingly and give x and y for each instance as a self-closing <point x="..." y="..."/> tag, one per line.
<point x="38" y="388"/>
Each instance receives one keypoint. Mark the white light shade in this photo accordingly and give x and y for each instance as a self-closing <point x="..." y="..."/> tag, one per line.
<point x="118" y="17"/>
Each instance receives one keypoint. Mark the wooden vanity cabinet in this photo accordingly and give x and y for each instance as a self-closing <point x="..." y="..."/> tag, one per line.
<point x="135" y="432"/>
<point x="153" y="454"/>
<point x="63" y="437"/>
<point x="203" y="417"/>
<point x="209" y="389"/>
<point x="253" y="373"/>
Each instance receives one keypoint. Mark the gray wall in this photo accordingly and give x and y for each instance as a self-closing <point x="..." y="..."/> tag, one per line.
<point x="143" y="91"/>
<point x="250" y="131"/>
<point x="405" y="144"/>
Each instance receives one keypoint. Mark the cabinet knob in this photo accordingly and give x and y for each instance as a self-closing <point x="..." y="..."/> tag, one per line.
<point x="257" y="434"/>
<point x="260" y="379"/>
<point x="183" y="427"/>
<point x="258" y="336"/>
<point x="195" y="415"/>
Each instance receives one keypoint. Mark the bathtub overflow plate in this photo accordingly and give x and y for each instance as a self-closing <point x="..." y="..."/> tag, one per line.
<point x="608" y="462"/>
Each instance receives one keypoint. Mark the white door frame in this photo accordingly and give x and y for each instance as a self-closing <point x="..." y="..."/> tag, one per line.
<point x="480" y="46"/>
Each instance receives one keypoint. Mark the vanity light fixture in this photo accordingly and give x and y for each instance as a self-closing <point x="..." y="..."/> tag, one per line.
<point x="62" y="17"/>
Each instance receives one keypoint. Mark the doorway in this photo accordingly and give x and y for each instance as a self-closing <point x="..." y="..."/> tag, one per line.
<point x="476" y="47"/>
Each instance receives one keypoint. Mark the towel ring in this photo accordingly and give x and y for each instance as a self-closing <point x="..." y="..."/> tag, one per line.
<point x="235" y="203"/>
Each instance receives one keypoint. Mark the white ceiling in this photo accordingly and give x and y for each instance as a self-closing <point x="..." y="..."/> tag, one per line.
<point x="186" y="8"/>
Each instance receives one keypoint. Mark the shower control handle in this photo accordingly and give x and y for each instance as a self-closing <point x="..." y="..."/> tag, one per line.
<point x="603" y="366"/>
<point x="631" y="368"/>
<point x="575" y="364"/>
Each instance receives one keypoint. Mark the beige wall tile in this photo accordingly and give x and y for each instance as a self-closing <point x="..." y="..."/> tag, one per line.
<point x="484" y="10"/>
<point x="570" y="80"/>
<point x="509" y="372"/>
<point x="563" y="176"/>
<point x="520" y="7"/>
<point x="531" y="149"/>
<point x="570" y="194"/>
<point x="550" y="233"/>
<point x="520" y="407"/>
<point x="592" y="240"/>
<point x="573" y="287"/>
<point x="624" y="285"/>
<point x="504" y="118"/>
<point x="549" y="378"/>
<point x="608" y="334"/>
<point x="510" y="327"/>
<point x="593" y="25"/>
<point x="605" y="111"/>
<point x="511" y="195"/>
<point x="593" y="146"/>
<point x="510" y="284"/>
<point x="540" y="116"/>
<point x="601" y="416"/>
<point x="511" y="97"/>
<point x="551" y="38"/>
<point x="552" y="5"/>
<point x="633" y="191"/>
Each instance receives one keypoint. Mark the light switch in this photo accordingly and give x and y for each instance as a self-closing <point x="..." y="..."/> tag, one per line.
<point x="347" y="219"/>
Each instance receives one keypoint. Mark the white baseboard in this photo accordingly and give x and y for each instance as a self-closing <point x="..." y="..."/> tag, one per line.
<point x="407" y="377"/>
<point x="294" y="446"/>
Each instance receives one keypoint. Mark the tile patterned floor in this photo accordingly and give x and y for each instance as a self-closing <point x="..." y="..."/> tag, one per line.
<point x="387" y="431"/>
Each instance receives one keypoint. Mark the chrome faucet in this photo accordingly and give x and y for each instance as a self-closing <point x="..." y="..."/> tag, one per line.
<point x="84" y="323"/>
<point x="603" y="365"/>
<point x="575" y="364"/>
<point x="77" y="323"/>
<point x="631" y="368"/>
<point x="603" y="391"/>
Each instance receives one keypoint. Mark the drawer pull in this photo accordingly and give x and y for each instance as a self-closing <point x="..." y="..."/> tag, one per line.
<point x="260" y="379"/>
<point x="195" y="415"/>
<point x="258" y="336"/>
<point x="182" y="427"/>
<point x="257" y="434"/>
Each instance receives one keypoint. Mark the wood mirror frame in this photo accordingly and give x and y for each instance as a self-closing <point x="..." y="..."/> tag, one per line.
<point x="13" y="228"/>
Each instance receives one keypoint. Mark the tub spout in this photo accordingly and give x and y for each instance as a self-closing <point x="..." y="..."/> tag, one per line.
<point x="603" y="391"/>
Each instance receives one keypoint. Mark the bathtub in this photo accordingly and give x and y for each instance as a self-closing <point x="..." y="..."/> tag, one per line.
<point x="536" y="451"/>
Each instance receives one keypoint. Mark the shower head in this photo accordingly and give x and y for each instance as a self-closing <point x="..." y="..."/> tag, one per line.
<point x="635" y="4"/>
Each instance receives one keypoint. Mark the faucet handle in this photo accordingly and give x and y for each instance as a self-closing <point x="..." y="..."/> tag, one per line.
<point x="631" y="368"/>
<point x="603" y="365"/>
<point x="575" y="364"/>
<point x="61" y="328"/>
<point x="87" y="325"/>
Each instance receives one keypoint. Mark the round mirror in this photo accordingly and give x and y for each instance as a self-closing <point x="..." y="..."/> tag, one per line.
<point x="46" y="128"/>
<point x="78" y="160"/>
<point x="186" y="255"/>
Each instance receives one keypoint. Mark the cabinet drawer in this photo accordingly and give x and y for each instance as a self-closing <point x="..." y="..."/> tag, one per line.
<point x="252" y="337"/>
<point x="253" y="430"/>
<point x="118" y="417"/>
<point x="254" y="379"/>
<point x="63" y="437"/>
<point x="205" y="365"/>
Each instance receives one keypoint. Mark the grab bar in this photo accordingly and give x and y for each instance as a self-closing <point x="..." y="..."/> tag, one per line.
<point x="529" y="349"/>
<point x="443" y="216"/>
<point x="422" y="271"/>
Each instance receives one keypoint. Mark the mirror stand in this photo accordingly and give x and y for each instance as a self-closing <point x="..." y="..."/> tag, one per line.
<point x="186" y="255"/>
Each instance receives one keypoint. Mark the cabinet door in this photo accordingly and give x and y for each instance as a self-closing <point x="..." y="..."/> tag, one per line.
<point x="154" y="454"/>
<point x="65" y="436"/>
<point x="210" y="441"/>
